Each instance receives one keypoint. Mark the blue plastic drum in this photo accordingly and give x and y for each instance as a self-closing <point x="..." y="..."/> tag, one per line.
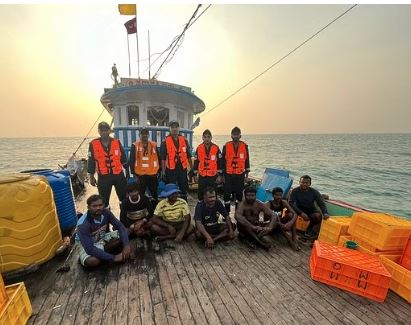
<point x="60" y="183"/>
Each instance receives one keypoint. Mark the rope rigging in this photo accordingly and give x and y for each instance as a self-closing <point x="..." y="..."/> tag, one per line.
<point x="176" y="43"/>
<point x="278" y="61"/>
<point x="85" y="138"/>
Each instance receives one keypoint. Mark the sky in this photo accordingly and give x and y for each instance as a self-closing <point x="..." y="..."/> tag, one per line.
<point x="354" y="77"/>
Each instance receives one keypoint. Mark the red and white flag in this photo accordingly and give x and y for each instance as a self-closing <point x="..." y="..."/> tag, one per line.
<point x="131" y="26"/>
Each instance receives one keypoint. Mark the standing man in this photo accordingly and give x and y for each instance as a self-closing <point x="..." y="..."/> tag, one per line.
<point x="249" y="226"/>
<point x="114" y="73"/>
<point x="145" y="164"/>
<point x="303" y="199"/>
<point x="107" y="156"/>
<point x="175" y="157"/>
<point x="97" y="243"/>
<point x="236" y="164"/>
<point x="208" y="163"/>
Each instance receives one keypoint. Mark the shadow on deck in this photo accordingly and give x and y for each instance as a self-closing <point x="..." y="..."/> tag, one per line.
<point x="186" y="284"/>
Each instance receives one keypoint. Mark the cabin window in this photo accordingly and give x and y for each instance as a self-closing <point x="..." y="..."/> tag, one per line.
<point x="180" y="118"/>
<point x="157" y="116"/>
<point x="132" y="113"/>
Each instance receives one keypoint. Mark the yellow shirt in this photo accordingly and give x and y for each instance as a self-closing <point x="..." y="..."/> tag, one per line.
<point x="172" y="212"/>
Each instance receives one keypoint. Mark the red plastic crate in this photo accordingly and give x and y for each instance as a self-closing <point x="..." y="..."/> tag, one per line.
<point x="405" y="260"/>
<point x="349" y="270"/>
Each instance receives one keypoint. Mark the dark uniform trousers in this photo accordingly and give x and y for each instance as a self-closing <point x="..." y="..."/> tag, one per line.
<point x="178" y="176"/>
<point x="233" y="185"/>
<point x="105" y="184"/>
<point x="150" y="182"/>
<point x="203" y="183"/>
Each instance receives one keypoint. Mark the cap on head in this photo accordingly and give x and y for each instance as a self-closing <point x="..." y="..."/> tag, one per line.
<point x="144" y="130"/>
<point x="169" y="190"/>
<point x="173" y="123"/>
<point x="104" y="126"/>
<point x="236" y="129"/>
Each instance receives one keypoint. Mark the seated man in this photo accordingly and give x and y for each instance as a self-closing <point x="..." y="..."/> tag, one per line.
<point x="96" y="240"/>
<point x="171" y="218"/>
<point x="248" y="220"/>
<point x="135" y="211"/>
<point x="206" y="219"/>
<point x="303" y="199"/>
<point x="286" y="217"/>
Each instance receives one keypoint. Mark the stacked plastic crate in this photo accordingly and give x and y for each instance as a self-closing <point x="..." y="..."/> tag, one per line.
<point x="15" y="306"/>
<point x="400" y="268"/>
<point x="349" y="270"/>
<point x="3" y="294"/>
<point x="405" y="260"/>
<point x="386" y="236"/>
<point x="333" y="228"/>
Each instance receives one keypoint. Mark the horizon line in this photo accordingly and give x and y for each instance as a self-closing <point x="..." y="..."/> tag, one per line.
<point x="243" y="134"/>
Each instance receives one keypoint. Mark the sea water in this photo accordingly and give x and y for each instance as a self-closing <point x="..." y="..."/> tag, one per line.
<point x="369" y="170"/>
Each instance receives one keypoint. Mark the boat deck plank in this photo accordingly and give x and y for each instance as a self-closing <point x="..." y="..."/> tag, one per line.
<point x="185" y="284"/>
<point x="188" y="284"/>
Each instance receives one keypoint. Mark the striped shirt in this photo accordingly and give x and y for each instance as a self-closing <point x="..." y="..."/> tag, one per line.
<point x="172" y="212"/>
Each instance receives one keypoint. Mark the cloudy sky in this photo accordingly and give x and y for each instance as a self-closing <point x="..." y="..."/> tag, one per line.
<point x="354" y="77"/>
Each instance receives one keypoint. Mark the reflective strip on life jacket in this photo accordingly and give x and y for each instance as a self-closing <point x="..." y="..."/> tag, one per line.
<point x="235" y="161"/>
<point x="107" y="163"/>
<point x="173" y="156"/>
<point x="207" y="164"/>
<point x="147" y="162"/>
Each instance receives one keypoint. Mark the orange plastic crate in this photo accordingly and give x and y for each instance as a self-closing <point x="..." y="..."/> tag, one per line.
<point x="3" y="294"/>
<point x="343" y="239"/>
<point x="18" y="308"/>
<point x="400" y="276"/>
<point x="405" y="260"/>
<point x="333" y="228"/>
<point x="381" y="231"/>
<point x="349" y="270"/>
<point x="301" y="224"/>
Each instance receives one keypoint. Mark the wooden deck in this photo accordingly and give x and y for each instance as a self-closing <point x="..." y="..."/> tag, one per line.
<point x="188" y="284"/>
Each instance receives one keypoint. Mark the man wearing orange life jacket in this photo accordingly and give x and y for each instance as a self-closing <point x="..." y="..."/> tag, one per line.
<point x="145" y="163"/>
<point x="175" y="154"/>
<point x="236" y="164"/>
<point x="106" y="156"/>
<point x="208" y="163"/>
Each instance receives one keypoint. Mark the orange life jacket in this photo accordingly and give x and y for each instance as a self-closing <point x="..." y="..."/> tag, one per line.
<point x="207" y="164"/>
<point x="173" y="156"/>
<point x="147" y="162"/>
<point x="235" y="161"/>
<point x="107" y="163"/>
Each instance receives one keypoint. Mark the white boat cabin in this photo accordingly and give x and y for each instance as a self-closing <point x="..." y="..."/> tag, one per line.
<point x="137" y="103"/>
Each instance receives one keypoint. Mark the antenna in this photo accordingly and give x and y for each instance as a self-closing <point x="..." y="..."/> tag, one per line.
<point x="149" y="56"/>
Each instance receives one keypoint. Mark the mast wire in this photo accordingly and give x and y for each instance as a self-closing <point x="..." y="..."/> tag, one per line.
<point x="88" y="133"/>
<point x="176" y="42"/>
<point x="277" y="62"/>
